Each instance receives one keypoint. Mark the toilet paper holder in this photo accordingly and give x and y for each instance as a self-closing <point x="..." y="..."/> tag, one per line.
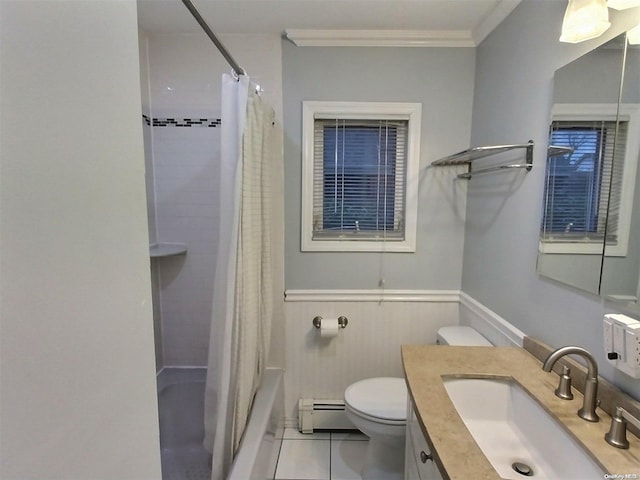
<point x="342" y="321"/>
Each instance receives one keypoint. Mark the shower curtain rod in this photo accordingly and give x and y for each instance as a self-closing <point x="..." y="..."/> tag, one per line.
<point x="225" y="53"/>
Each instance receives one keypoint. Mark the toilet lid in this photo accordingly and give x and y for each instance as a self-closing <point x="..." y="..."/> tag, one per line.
<point x="384" y="397"/>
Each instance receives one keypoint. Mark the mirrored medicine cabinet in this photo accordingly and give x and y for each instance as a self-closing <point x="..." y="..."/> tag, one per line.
<point x="590" y="230"/>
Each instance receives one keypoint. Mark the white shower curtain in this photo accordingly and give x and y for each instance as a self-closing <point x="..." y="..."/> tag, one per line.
<point x="243" y="288"/>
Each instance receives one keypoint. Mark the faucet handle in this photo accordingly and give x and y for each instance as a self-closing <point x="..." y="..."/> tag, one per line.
<point x="564" y="387"/>
<point x="617" y="434"/>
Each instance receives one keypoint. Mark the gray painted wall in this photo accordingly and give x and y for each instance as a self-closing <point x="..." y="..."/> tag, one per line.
<point x="592" y="78"/>
<point x="512" y="103"/>
<point x="442" y="80"/>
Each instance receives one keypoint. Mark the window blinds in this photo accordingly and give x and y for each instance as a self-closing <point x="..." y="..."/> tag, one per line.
<point x="583" y="188"/>
<point x="359" y="171"/>
<point x="613" y="177"/>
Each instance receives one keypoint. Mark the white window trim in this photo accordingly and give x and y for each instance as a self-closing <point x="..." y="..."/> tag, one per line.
<point x="629" y="112"/>
<point x="361" y="110"/>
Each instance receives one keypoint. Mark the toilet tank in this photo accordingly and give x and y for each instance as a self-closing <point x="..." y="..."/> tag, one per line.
<point x="461" y="336"/>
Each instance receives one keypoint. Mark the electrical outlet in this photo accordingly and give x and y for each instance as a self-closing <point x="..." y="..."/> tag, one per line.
<point x="632" y="337"/>
<point x="619" y="342"/>
<point x="608" y="340"/>
<point x="622" y="343"/>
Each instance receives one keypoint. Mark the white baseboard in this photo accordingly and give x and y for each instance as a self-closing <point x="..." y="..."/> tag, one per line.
<point x="322" y="415"/>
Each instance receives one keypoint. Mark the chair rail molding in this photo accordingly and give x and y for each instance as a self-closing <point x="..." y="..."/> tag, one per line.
<point x="374" y="295"/>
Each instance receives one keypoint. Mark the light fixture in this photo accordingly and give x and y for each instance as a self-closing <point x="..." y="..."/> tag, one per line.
<point x="633" y="35"/>
<point x="623" y="4"/>
<point x="584" y="20"/>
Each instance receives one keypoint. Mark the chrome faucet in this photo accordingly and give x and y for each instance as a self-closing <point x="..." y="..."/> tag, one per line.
<point x="588" y="410"/>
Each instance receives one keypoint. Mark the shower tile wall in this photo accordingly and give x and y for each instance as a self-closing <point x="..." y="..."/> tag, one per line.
<point x="182" y="77"/>
<point x="186" y="164"/>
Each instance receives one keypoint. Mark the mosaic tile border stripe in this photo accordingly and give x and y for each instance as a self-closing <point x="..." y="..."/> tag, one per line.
<point x="181" y="122"/>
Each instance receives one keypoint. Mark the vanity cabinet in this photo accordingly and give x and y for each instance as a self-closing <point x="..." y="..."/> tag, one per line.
<point x="418" y="463"/>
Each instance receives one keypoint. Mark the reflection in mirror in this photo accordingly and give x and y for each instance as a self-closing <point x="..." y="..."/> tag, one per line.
<point x="581" y="183"/>
<point x="621" y="273"/>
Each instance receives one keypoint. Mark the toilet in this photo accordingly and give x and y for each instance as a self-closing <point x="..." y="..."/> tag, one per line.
<point x="378" y="408"/>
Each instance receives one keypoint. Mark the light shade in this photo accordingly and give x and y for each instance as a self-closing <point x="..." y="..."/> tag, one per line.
<point x="633" y="35"/>
<point x="623" y="4"/>
<point x="584" y="20"/>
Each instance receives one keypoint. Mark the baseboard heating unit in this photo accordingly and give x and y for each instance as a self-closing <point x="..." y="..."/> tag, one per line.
<point x="322" y="415"/>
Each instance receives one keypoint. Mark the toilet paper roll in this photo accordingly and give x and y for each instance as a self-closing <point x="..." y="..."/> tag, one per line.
<point x="329" y="327"/>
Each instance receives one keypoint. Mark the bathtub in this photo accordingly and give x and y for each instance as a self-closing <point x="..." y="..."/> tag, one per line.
<point x="181" y="411"/>
<point x="257" y="456"/>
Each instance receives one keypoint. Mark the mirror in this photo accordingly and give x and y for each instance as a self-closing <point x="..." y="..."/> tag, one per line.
<point x="590" y="181"/>
<point x="620" y="279"/>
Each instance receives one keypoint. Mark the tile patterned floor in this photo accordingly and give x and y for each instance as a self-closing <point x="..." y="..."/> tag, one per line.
<point x="321" y="456"/>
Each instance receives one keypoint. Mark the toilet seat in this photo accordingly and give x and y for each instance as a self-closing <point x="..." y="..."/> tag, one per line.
<point x="381" y="399"/>
<point x="378" y="420"/>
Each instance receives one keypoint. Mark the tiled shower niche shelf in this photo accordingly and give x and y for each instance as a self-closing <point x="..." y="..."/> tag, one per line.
<point x="467" y="157"/>
<point x="159" y="250"/>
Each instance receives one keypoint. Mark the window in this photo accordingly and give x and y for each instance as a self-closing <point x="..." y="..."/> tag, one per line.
<point x="360" y="174"/>
<point x="586" y="194"/>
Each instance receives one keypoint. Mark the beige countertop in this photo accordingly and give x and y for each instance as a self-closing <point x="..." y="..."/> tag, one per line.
<point x="453" y="447"/>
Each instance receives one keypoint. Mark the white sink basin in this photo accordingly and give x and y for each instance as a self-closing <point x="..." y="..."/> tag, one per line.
<point x="509" y="426"/>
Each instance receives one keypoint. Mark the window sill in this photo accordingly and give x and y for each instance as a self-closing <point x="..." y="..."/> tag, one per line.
<point x="349" y="245"/>
<point x="581" y="248"/>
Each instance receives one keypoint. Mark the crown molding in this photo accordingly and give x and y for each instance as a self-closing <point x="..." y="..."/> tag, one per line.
<point x="380" y="38"/>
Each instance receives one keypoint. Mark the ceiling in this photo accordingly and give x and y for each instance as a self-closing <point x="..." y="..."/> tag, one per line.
<point x="473" y="19"/>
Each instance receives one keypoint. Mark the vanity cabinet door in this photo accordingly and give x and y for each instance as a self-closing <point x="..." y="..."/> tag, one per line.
<point x="410" y="461"/>
<point x="418" y="454"/>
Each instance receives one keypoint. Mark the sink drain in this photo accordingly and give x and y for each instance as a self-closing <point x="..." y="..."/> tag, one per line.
<point x="522" y="469"/>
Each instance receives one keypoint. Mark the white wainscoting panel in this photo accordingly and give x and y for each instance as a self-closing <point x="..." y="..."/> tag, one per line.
<point x="497" y="330"/>
<point x="369" y="346"/>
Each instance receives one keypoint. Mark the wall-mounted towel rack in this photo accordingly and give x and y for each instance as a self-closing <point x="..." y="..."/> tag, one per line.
<point x="555" y="150"/>
<point x="467" y="157"/>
